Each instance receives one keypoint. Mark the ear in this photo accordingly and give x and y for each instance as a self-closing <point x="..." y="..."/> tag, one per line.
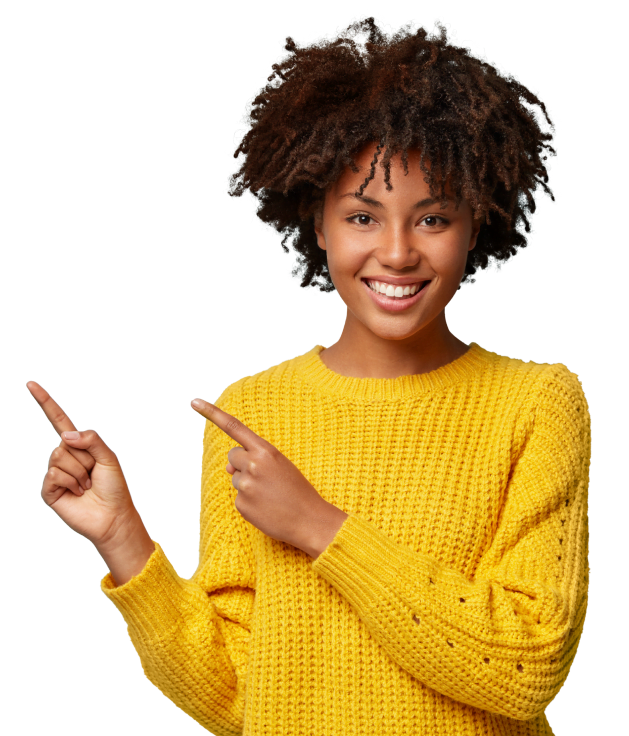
<point x="318" y="228"/>
<point x="476" y="225"/>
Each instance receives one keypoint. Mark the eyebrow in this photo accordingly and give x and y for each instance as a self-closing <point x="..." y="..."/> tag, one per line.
<point x="375" y="203"/>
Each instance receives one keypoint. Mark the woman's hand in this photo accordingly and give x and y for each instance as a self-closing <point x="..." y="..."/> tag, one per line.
<point x="85" y="484"/>
<point x="273" y="495"/>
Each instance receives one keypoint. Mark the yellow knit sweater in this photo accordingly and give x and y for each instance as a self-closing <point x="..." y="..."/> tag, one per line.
<point x="450" y="602"/>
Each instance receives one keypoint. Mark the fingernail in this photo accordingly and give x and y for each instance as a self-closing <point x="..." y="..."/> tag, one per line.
<point x="88" y="484"/>
<point x="198" y="403"/>
<point x="70" y="435"/>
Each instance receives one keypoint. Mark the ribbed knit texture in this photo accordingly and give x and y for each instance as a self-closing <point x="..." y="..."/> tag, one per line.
<point x="450" y="602"/>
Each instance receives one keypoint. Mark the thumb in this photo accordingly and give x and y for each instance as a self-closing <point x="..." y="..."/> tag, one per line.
<point x="91" y="441"/>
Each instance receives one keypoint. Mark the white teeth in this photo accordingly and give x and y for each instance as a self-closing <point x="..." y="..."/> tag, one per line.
<point x="390" y="290"/>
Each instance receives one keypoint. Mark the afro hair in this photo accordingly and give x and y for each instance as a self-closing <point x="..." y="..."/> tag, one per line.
<point x="326" y="101"/>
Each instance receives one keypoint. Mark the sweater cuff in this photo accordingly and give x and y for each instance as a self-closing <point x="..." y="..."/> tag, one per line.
<point x="362" y="562"/>
<point x="151" y="602"/>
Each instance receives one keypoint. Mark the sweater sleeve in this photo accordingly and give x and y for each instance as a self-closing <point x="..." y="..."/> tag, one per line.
<point x="503" y="641"/>
<point x="192" y="635"/>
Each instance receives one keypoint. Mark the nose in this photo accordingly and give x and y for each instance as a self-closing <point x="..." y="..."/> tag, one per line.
<point x="398" y="249"/>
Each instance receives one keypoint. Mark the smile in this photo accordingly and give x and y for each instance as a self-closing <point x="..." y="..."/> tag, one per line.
<point x="394" y="303"/>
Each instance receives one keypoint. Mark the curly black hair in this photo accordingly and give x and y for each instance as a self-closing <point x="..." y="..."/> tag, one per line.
<point x="325" y="102"/>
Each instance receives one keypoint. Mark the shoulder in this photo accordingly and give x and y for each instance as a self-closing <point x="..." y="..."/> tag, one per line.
<point x="540" y="397"/>
<point x="538" y="379"/>
<point x="559" y="385"/>
<point x="548" y="399"/>
<point x="256" y="386"/>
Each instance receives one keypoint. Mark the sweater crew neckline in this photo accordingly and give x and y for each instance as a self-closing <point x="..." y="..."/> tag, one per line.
<point x="317" y="374"/>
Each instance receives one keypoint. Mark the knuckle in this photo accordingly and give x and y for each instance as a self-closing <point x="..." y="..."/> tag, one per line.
<point x="269" y="452"/>
<point x="58" y="416"/>
<point x="57" y="454"/>
<point x="234" y="423"/>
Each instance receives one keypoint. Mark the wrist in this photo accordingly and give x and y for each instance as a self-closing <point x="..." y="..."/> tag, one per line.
<point x="128" y="551"/>
<point x="324" y="529"/>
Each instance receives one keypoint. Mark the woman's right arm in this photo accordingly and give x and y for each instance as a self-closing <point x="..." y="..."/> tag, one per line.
<point x="187" y="650"/>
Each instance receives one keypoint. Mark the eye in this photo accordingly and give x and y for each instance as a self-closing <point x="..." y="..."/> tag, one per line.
<point x="444" y="221"/>
<point x="354" y="217"/>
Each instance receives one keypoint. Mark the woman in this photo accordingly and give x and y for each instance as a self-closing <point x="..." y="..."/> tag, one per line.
<point x="398" y="542"/>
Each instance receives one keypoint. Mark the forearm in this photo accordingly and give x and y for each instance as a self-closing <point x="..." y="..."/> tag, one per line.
<point x="127" y="554"/>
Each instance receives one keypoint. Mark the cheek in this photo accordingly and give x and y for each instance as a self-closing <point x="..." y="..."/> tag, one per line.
<point x="447" y="254"/>
<point x="345" y="256"/>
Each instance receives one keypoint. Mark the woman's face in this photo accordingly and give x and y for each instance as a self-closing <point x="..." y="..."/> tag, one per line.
<point x="398" y="237"/>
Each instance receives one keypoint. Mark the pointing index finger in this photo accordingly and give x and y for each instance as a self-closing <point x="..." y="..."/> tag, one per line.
<point x="57" y="417"/>
<point x="229" y="424"/>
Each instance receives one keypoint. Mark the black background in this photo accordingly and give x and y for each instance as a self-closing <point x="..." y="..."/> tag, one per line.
<point x="142" y="288"/>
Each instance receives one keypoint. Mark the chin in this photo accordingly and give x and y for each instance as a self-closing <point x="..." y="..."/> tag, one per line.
<point x="385" y="333"/>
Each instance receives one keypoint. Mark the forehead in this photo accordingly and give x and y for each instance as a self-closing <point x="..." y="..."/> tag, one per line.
<point x="365" y="155"/>
<point x="350" y="181"/>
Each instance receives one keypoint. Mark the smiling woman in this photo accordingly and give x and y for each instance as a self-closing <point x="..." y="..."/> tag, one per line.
<point x="353" y="154"/>
<point x="393" y="237"/>
<point x="394" y="529"/>
<point x="324" y="103"/>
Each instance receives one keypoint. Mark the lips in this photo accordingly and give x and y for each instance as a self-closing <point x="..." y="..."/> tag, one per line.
<point x="396" y="304"/>
<point x="422" y="284"/>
